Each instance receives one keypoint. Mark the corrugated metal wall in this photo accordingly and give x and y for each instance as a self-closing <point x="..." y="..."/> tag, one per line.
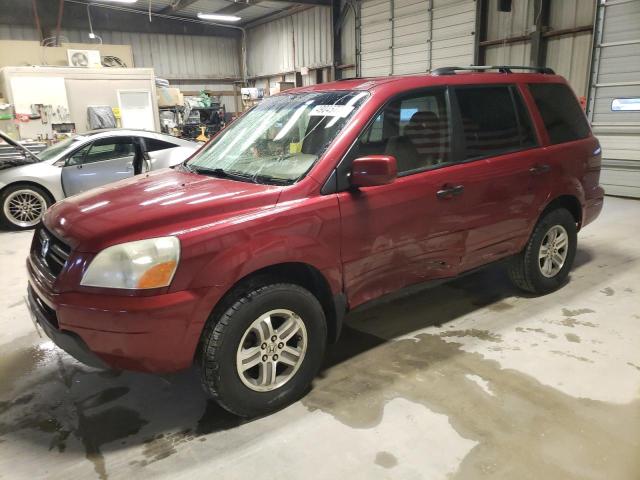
<point x="348" y="43"/>
<point x="18" y="32"/>
<point x="569" y="55"/>
<point x="413" y="36"/>
<point x="617" y="75"/>
<point x="284" y="45"/>
<point x="186" y="57"/>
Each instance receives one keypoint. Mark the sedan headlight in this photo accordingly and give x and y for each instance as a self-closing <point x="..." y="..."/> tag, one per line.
<point x="135" y="265"/>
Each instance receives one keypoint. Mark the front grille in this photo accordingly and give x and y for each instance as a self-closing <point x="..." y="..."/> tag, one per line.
<point x="43" y="311"/>
<point x="52" y="252"/>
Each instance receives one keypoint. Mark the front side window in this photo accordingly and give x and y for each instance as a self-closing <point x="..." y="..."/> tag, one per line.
<point x="491" y="125"/>
<point x="109" y="149"/>
<point x="278" y="141"/>
<point x="414" y="129"/>
<point x="562" y="115"/>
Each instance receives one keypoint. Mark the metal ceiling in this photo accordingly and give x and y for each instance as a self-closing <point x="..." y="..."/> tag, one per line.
<point x="247" y="11"/>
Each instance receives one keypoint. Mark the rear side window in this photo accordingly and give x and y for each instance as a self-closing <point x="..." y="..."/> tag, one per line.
<point x="154" y="145"/>
<point x="494" y="121"/>
<point x="560" y="111"/>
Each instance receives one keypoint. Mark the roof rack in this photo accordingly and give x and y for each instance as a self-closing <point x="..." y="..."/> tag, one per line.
<point x="500" y="68"/>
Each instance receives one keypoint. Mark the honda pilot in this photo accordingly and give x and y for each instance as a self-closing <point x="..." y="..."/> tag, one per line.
<point x="245" y="259"/>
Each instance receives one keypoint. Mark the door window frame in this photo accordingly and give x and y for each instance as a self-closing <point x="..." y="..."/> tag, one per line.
<point x="514" y="91"/>
<point x="90" y="145"/>
<point x="338" y="181"/>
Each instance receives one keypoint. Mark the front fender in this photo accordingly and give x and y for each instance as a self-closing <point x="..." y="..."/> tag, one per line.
<point x="305" y="231"/>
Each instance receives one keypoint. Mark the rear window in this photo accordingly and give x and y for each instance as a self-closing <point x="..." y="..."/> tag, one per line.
<point x="561" y="112"/>
<point x="494" y="121"/>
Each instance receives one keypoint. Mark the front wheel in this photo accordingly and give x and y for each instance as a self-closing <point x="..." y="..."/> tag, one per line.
<point x="264" y="351"/>
<point x="545" y="262"/>
<point x="23" y="206"/>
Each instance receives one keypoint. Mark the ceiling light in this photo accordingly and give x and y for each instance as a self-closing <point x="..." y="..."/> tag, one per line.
<point x="218" y="17"/>
<point x="119" y="1"/>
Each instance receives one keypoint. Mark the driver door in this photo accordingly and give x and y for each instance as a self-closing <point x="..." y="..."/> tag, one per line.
<point x="103" y="161"/>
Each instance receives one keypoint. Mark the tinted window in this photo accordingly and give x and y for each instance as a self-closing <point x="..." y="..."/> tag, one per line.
<point x="154" y="145"/>
<point x="414" y="129"/>
<point x="561" y="112"/>
<point x="491" y="125"/>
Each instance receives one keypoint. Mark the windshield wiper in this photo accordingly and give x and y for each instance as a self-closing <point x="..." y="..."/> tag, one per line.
<point x="270" y="179"/>
<point x="221" y="173"/>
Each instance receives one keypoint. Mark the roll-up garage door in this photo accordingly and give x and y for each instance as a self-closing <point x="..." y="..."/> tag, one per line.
<point x="415" y="36"/>
<point x="614" y="106"/>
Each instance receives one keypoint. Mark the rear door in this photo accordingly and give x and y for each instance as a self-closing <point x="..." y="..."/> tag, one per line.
<point x="497" y="129"/>
<point x="103" y="161"/>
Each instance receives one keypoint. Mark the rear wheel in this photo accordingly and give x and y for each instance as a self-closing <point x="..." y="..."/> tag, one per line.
<point x="545" y="262"/>
<point x="23" y="206"/>
<point x="263" y="352"/>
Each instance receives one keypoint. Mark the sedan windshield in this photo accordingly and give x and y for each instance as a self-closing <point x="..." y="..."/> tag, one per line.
<point x="278" y="141"/>
<point x="57" y="148"/>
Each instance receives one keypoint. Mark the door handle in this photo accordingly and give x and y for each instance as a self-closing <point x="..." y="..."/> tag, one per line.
<point x="448" y="191"/>
<point x="540" y="169"/>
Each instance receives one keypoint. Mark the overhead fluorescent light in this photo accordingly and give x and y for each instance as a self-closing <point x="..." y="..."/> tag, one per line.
<point x="119" y="1"/>
<point x="218" y="17"/>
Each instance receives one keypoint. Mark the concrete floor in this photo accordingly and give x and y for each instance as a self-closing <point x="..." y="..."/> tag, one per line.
<point x="469" y="380"/>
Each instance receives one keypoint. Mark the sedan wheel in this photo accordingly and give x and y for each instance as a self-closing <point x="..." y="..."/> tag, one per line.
<point x="24" y="207"/>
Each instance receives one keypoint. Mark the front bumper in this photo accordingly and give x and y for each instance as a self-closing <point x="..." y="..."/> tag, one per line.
<point x="152" y="334"/>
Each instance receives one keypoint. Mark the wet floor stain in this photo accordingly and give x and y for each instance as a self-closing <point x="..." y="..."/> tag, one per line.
<point x="485" y="335"/>
<point x="537" y="330"/>
<point x="386" y="460"/>
<point x="634" y="366"/>
<point x="608" y="291"/>
<point x="578" y="311"/>
<point x="526" y="429"/>
<point x="572" y="322"/>
<point x="572" y="337"/>
<point x="570" y="355"/>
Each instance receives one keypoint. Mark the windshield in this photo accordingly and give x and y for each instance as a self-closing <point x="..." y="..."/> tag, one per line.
<point x="278" y="141"/>
<point x="57" y="148"/>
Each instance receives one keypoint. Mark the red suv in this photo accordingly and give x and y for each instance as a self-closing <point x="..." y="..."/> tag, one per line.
<point x="245" y="259"/>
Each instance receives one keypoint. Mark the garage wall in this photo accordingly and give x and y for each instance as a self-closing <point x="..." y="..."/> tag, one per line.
<point x="568" y="54"/>
<point x="185" y="57"/>
<point x="284" y="45"/>
<point x="617" y="75"/>
<point x="413" y="36"/>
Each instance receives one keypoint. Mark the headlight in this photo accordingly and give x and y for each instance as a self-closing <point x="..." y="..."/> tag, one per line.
<point x="135" y="265"/>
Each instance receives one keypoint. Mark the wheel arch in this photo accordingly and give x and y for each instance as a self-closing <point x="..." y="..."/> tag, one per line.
<point x="569" y="202"/>
<point x="29" y="183"/>
<point x="298" y="273"/>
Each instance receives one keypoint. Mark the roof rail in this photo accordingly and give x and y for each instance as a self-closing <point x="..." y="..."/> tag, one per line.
<point x="500" y="68"/>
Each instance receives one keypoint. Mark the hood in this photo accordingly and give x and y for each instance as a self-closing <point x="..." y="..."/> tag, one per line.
<point x="21" y="156"/>
<point x="156" y="204"/>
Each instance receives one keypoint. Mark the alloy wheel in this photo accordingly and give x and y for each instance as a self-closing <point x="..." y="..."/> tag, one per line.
<point x="24" y="208"/>
<point x="271" y="350"/>
<point x="553" y="251"/>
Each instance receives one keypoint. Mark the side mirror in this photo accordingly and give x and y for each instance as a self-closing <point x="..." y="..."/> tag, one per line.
<point x="373" y="170"/>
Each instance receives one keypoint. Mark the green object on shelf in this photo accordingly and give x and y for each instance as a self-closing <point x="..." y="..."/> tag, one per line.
<point x="6" y="117"/>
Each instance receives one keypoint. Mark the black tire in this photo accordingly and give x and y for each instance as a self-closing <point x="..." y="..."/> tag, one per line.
<point x="221" y="338"/>
<point x="7" y="223"/>
<point x="524" y="269"/>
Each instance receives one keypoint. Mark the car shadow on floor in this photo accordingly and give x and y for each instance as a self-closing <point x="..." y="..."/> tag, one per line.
<point x="61" y="406"/>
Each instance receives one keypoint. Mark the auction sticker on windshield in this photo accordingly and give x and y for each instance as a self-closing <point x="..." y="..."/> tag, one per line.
<point x="331" y="111"/>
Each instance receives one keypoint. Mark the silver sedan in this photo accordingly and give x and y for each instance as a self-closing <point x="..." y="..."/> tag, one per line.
<point x="30" y="183"/>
